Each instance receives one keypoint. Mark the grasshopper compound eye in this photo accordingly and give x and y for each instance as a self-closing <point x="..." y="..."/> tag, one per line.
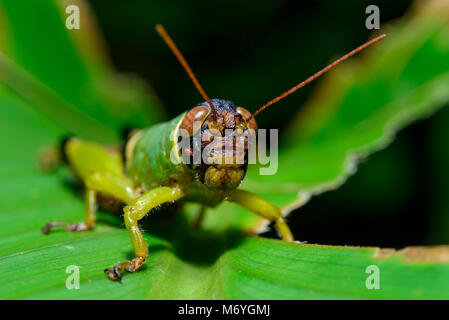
<point x="246" y="115"/>
<point x="197" y="115"/>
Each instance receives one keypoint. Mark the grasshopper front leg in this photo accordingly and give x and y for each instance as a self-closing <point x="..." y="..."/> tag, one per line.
<point x="262" y="207"/>
<point x="132" y="214"/>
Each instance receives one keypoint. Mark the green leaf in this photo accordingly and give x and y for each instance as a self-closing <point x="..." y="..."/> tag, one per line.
<point x="219" y="261"/>
<point x="68" y="77"/>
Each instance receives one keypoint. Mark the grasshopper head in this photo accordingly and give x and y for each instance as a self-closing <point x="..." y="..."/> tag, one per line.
<point x="222" y="143"/>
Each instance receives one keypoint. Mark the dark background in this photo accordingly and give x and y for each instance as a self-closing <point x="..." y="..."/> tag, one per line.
<point x="252" y="51"/>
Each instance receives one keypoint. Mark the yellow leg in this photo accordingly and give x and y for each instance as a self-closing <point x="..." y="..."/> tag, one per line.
<point x="107" y="183"/>
<point x="117" y="186"/>
<point x="101" y="171"/>
<point x="90" y="204"/>
<point x="262" y="207"/>
<point x="133" y="213"/>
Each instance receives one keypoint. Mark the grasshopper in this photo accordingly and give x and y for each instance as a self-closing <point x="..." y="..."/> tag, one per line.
<point x="148" y="177"/>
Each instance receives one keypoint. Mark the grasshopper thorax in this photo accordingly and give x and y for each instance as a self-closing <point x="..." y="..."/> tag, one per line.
<point x="222" y="141"/>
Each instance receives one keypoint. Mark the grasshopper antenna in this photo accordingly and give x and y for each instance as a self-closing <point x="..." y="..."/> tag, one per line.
<point x="171" y="44"/>
<point x="319" y="73"/>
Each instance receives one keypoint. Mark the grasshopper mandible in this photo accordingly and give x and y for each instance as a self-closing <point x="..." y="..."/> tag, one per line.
<point x="149" y="178"/>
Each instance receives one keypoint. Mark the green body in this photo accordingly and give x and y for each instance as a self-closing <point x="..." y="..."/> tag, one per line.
<point x="149" y="164"/>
